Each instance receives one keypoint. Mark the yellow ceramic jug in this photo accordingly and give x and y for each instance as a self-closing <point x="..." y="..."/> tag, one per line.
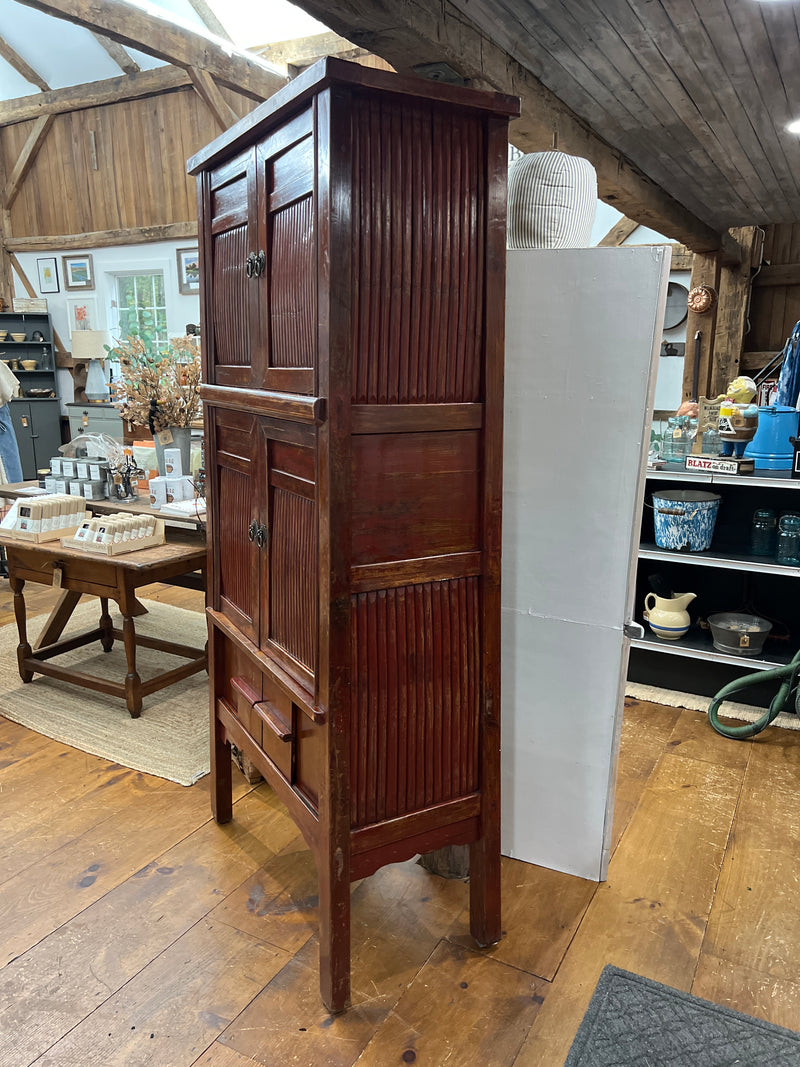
<point x="667" y="616"/>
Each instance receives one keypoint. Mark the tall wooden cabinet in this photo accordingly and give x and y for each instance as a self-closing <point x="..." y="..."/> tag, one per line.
<point x="353" y="263"/>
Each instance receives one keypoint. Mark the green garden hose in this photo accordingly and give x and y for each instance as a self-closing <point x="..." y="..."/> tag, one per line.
<point x="780" y="702"/>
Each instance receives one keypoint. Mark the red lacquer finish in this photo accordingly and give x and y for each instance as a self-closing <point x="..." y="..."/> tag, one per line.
<point x="353" y="252"/>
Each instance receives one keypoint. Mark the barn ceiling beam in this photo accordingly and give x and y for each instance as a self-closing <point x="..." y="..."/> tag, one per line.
<point x="303" y="51"/>
<point x="207" y="90"/>
<point x="125" y="63"/>
<point x="93" y="94"/>
<point x="209" y="19"/>
<point x="160" y="37"/>
<point x="409" y="33"/>
<point x="67" y="242"/>
<point x="21" y="66"/>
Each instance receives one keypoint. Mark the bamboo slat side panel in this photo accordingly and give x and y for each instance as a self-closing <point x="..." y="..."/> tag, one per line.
<point x="414" y="713"/>
<point x="418" y="254"/>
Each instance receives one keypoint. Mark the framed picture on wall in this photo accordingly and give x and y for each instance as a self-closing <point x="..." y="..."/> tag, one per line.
<point x="188" y="271"/>
<point x="48" y="275"/>
<point x="82" y="315"/>
<point x="78" y="272"/>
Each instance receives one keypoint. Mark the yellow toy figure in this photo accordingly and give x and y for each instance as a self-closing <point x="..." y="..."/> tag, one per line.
<point x="738" y="417"/>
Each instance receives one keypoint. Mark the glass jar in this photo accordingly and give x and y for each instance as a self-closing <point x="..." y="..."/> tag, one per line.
<point x="788" y="548"/>
<point x="676" y="442"/>
<point x="712" y="442"/>
<point x="763" y="532"/>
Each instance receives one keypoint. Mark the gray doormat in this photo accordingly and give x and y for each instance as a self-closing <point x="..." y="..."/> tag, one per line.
<point x="634" y="1022"/>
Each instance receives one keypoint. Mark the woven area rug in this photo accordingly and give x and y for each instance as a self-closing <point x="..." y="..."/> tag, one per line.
<point x="171" y="737"/>
<point x="634" y="1022"/>
<point x="672" y="698"/>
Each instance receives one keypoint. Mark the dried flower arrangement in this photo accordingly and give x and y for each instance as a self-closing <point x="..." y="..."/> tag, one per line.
<point x="158" y="391"/>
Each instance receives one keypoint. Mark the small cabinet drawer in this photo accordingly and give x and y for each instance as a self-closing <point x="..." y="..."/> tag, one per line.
<point x="269" y="719"/>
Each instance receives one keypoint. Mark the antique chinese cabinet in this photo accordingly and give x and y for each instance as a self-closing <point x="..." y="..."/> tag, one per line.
<point x="352" y="241"/>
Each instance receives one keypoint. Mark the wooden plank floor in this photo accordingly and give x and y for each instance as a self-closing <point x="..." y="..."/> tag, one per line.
<point x="136" y="931"/>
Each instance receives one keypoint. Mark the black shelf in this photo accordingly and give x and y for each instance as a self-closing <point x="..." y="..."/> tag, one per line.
<point x="724" y="577"/>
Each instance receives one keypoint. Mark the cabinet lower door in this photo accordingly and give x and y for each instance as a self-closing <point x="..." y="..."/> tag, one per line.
<point x="289" y="578"/>
<point x="235" y="518"/>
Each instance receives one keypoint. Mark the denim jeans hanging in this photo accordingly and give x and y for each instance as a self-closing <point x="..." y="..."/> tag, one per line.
<point x="9" y="450"/>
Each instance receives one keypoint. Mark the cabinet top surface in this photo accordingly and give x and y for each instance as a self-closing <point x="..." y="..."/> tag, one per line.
<point x="331" y="71"/>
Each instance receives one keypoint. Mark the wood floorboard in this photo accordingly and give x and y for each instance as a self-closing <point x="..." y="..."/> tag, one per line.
<point x="126" y="912"/>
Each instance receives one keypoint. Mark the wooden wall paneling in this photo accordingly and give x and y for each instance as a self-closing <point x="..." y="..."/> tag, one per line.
<point x="705" y="271"/>
<point x="734" y="292"/>
<point x="140" y="178"/>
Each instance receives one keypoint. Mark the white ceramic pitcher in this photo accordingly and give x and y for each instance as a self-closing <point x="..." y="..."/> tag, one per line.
<point x="667" y="616"/>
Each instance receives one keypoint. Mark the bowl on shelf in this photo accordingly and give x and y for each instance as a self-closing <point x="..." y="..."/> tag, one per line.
<point x="40" y="393"/>
<point x="29" y="364"/>
<point x="744" y="635"/>
<point x="18" y="336"/>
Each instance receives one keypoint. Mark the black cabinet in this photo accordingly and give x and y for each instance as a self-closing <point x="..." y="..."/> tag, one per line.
<point x="37" y="425"/>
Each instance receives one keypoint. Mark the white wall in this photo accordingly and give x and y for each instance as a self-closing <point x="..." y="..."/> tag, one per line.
<point x="106" y="262"/>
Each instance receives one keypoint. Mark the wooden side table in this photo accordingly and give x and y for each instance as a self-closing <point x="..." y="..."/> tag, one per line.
<point x="107" y="578"/>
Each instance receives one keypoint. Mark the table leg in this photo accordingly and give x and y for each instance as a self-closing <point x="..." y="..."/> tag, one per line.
<point x="133" y="683"/>
<point x="106" y="625"/>
<point x="23" y="649"/>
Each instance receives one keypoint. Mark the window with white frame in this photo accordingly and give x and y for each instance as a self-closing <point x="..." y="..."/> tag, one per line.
<point x="141" y="307"/>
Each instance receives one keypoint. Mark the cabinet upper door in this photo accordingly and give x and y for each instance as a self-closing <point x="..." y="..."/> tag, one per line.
<point x="287" y="284"/>
<point x="261" y="264"/>
<point x="232" y="347"/>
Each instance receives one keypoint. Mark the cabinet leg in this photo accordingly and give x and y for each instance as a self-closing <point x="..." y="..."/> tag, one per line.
<point x="334" y="933"/>
<point x="133" y="683"/>
<point x="23" y="648"/>
<point x="107" y="637"/>
<point x="484" y="891"/>
<point x="221" y="774"/>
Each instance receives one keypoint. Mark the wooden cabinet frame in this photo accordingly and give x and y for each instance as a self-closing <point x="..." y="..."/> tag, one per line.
<point x="354" y="407"/>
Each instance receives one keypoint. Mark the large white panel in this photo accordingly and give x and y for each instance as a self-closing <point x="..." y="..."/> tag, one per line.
<point x="580" y="334"/>
<point x="583" y="329"/>
<point x="562" y="680"/>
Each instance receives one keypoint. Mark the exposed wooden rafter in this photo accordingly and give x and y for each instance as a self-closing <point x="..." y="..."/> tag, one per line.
<point x="407" y="33"/>
<point x="125" y="63"/>
<point x="619" y="233"/>
<point x="26" y="157"/>
<point x="303" y="51"/>
<point x="21" y="66"/>
<point x="173" y="231"/>
<point x="210" y="20"/>
<point x="207" y="90"/>
<point x="93" y="94"/>
<point x="130" y="25"/>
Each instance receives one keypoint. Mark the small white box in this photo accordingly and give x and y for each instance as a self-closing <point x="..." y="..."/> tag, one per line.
<point x="173" y="465"/>
<point x="179" y="488"/>
<point x="158" y="491"/>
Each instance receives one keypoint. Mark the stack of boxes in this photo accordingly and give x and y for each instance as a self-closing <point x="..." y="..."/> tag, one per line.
<point x="174" y="485"/>
<point x="86" y="478"/>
